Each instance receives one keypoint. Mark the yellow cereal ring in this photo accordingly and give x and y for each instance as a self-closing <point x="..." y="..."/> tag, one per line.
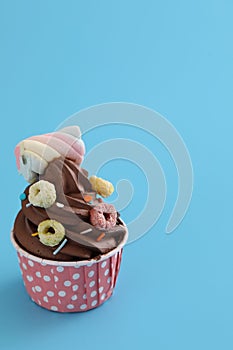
<point x="103" y="187"/>
<point x="42" y="194"/>
<point x="51" y="232"/>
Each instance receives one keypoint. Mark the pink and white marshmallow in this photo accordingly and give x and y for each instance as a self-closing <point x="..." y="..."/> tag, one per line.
<point x="35" y="153"/>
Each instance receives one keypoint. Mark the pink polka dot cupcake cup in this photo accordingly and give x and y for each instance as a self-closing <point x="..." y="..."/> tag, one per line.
<point x="69" y="286"/>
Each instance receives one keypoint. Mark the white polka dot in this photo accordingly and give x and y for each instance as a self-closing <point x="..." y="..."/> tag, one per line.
<point x="38" y="274"/>
<point x="52" y="270"/>
<point x="91" y="273"/>
<point x="24" y="266"/>
<point x="60" y="269"/>
<point x="54" y="308"/>
<point x="91" y="284"/>
<point x="74" y="297"/>
<point x="67" y="283"/>
<point x="101" y="289"/>
<point x="70" y="306"/>
<point x="46" y="278"/>
<point x="39" y="302"/>
<point x="94" y="303"/>
<point x="56" y="278"/>
<point x="75" y="287"/>
<point x="76" y="276"/>
<point x="104" y="263"/>
<point x="33" y="289"/>
<point x="109" y="279"/>
<point x="31" y="263"/>
<point x="83" y="306"/>
<point x="103" y="296"/>
<point x="59" y="301"/>
<point x="99" y="280"/>
<point x="21" y="254"/>
<point x="84" y="296"/>
<point x="50" y="293"/>
<point x="38" y="288"/>
<point x="106" y="272"/>
<point x="93" y="294"/>
<point x="77" y="267"/>
<point x="89" y="264"/>
<point x="29" y="278"/>
<point x="62" y="293"/>
<point x="46" y="299"/>
<point x="43" y="263"/>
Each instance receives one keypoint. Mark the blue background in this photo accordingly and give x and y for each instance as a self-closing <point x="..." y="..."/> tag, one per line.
<point x="57" y="57"/>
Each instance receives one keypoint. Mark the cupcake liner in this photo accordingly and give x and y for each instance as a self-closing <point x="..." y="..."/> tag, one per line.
<point x="69" y="286"/>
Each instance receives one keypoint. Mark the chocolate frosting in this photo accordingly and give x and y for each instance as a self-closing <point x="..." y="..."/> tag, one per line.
<point x="72" y="184"/>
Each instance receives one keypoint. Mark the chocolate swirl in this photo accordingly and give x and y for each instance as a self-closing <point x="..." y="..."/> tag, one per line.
<point x="72" y="185"/>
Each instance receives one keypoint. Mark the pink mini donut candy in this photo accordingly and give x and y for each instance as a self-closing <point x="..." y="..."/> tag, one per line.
<point x="103" y="216"/>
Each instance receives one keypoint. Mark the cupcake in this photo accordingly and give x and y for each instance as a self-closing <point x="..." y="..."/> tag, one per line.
<point x="69" y="241"/>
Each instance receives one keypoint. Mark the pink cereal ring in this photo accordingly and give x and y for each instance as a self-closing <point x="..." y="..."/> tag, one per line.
<point x="103" y="215"/>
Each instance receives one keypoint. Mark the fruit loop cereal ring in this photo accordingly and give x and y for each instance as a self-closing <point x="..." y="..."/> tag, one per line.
<point x="103" y="187"/>
<point x="42" y="194"/>
<point x="103" y="216"/>
<point x="51" y="232"/>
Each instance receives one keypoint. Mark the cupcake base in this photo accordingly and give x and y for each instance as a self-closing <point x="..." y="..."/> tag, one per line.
<point x="69" y="286"/>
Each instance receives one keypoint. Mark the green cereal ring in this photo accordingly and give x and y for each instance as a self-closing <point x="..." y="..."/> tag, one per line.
<point x="51" y="232"/>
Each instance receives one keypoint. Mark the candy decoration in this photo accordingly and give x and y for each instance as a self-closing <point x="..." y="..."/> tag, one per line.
<point x="103" y="187"/>
<point x="51" y="232"/>
<point x="59" y="205"/>
<point x="87" y="198"/>
<point x="103" y="215"/>
<point x="22" y="196"/>
<point x="101" y="236"/>
<point x="86" y="231"/>
<point x="60" y="246"/>
<point x="42" y="194"/>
